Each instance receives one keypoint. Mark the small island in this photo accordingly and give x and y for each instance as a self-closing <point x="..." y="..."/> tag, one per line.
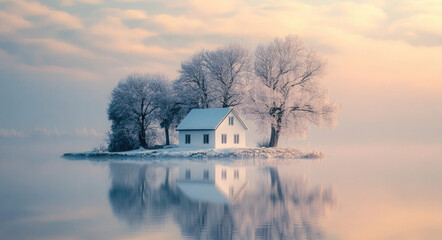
<point x="174" y="152"/>
<point x="276" y="86"/>
<point x="212" y="133"/>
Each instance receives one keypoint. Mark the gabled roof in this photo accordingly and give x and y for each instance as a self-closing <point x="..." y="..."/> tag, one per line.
<point x="206" y="119"/>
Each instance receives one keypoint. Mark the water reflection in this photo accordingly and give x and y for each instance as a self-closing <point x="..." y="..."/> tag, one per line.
<point x="213" y="183"/>
<point x="214" y="201"/>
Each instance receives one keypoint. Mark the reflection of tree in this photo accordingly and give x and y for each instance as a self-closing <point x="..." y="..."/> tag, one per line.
<point x="274" y="207"/>
<point x="285" y="208"/>
<point x="140" y="194"/>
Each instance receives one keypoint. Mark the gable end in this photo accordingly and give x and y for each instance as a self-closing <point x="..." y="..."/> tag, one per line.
<point x="236" y="115"/>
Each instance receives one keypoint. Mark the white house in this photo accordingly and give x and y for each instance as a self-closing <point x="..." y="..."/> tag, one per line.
<point x="212" y="183"/>
<point x="212" y="128"/>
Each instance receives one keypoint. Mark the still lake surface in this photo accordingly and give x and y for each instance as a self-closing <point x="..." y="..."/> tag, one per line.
<point x="358" y="192"/>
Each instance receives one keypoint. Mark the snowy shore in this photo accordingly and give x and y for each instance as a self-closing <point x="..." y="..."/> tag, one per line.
<point x="175" y="153"/>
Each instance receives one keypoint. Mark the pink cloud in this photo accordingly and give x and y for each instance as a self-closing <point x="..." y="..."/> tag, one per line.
<point x="48" y="16"/>
<point x="85" y="132"/>
<point x="10" y="133"/>
<point x="10" y="22"/>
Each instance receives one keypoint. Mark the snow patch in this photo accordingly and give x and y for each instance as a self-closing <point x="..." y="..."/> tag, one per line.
<point x="194" y="153"/>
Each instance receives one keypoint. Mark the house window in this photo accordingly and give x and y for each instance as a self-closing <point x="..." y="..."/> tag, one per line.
<point x="206" y="174"/>
<point x="236" y="138"/>
<point x="231" y="191"/>
<point x="224" y="138"/>
<point x="236" y="174"/>
<point x="187" y="174"/>
<point x="187" y="138"/>
<point x="224" y="174"/>
<point x="206" y="139"/>
<point x="231" y="121"/>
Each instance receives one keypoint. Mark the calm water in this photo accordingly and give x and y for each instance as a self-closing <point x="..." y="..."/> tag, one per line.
<point x="358" y="192"/>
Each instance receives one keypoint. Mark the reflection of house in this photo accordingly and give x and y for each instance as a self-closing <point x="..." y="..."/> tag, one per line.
<point x="212" y="183"/>
<point x="212" y="128"/>
<point x="272" y="206"/>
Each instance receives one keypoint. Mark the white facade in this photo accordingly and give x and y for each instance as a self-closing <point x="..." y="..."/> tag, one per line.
<point x="223" y="129"/>
<point x="197" y="138"/>
<point x="230" y="131"/>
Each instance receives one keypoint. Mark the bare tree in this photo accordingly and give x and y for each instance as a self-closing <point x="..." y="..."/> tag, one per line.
<point x="169" y="108"/>
<point x="227" y="66"/>
<point x="286" y="94"/>
<point x="132" y="106"/>
<point x="193" y="84"/>
<point x="214" y="78"/>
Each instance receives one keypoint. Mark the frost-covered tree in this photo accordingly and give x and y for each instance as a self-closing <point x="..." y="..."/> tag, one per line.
<point x="169" y="108"/>
<point x="132" y="110"/>
<point x="227" y="67"/>
<point x="122" y="137"/>
<point x="286" y="94"/>
<point x="214" y="78"/>
<point x="193" y="84"/>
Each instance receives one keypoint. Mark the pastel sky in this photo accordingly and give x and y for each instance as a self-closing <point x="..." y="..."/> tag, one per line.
<point x="60" y="59"/>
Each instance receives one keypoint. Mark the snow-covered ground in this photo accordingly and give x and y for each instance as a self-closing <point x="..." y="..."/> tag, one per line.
<point x="229" y="153"/>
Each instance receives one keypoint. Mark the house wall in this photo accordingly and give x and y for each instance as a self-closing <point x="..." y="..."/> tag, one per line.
<point x="196" y="139"/>
<point x="225" y="128"/>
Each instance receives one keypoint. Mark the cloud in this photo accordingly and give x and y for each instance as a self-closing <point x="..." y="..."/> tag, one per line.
<point x="355" y="17"/>
<point x="46" y="16"/>
<point x="125" y="13"/>
<point x="63" y="19"/>
<point x="420" y="29"/>
<point x="145" y="43"/>
<point x="112" y="35"/>
<point x="74" y="2"/>
<point x="60" y="72"/>
<point x="58" y="46"/>
<point x="407" y="7"/>
<point x="10" y="23"/>
<point x="106" y="33"/>
<point x="85" y="132"/>
<point x="212" y="8"/>
<point x="386" y="65"/>
<point x="25" y="8"/>
<point x="182" y="25"/>
<point x="48" y="132"/>
<point x="45" y="132"/>
<point x="10" y="133"/>
<point x="269" y="19"/>
<point x="43" y="72"/>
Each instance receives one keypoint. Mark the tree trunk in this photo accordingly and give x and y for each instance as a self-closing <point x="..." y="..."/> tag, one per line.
<point x="166" y="131"/>
<point x="142" y="133"/>
<point x="205" y="101"/>
<point x="225" y="101"/>
<point x="274" y="136"/>
<point x="142" y="138"/>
